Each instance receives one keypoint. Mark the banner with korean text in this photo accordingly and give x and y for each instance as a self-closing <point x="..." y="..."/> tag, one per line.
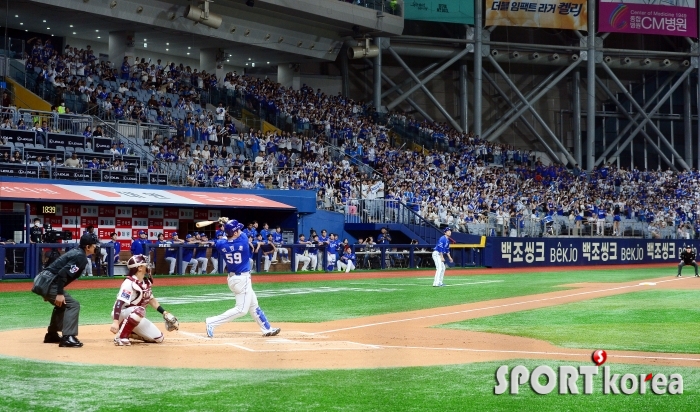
<point x="671" y="18"/>
<point x="443" y="11"/>
<point x="551" y="14"/>
<point x="531" y="252"/>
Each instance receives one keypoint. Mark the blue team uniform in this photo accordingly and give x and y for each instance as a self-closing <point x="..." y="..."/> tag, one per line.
<point x="443" y="245"/>
<point x="236" y="254"/>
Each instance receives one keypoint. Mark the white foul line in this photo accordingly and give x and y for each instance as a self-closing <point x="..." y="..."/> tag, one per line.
<point x="423" y="284"/>
<point x="485" y="308"/>
<point x="522" y="352"/>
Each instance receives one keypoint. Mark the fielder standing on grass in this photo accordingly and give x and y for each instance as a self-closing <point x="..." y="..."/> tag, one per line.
<point x="129" y="313"/>
<point x="236" y="253"/>
<point x="442" y="249"/>
<point x="688" y="259"/>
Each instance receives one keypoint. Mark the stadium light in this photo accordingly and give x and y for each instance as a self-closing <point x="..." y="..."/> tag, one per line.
<point x="203" y="16"/>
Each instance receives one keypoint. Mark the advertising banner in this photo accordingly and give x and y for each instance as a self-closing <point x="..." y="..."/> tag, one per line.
<point x="443" y="11"/>
<point x="677" y="18"/>
<point x="66" y="140"/>
<point x="532" y="252"/>
<point x="552" y="14"/>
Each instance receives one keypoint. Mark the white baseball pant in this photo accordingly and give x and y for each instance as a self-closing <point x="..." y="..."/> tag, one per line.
<point x="284" y="254"/>
<point x="246" y="301"/>
<point x="345" y="266"/>
<point x="193" y="267"/>
<point x="600" y="227"/>
<point x="267" y="260"/>
<point x="301" y="258"/>
<point x="202" y="265"/>
<point x="214" y="265"/>
<point x="439" y="268"/>
<point x="319" y="260"/>
<point x="145" y="330"/>
<point x="314" y="260"/>
<point x="331" y="259"/>
<point x="171" y="262"/>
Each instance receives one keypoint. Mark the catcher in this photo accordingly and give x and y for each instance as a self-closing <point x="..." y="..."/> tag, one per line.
<point x="129" y="311"/>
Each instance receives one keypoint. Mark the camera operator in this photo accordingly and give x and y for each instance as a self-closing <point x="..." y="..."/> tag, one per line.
<point x="90" y="232"/>
<point x="36" y="235"/>
<point x="51" y="236"/>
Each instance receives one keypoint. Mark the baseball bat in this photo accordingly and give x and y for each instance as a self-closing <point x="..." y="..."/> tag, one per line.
<point x="205" y="223"/>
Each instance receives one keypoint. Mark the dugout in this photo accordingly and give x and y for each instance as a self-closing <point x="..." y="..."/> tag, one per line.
<point x="128" y="209"/>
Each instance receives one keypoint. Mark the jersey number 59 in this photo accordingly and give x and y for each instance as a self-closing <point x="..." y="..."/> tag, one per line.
<point x="233" y="257"/>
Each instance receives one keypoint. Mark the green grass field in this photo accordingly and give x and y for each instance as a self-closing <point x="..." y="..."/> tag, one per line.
<point x="652" y="320"/>
<point x="624" y="319"/>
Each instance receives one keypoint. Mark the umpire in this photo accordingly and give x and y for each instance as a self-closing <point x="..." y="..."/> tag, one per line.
<point x="688" y="258"/>
<point x="66" y="311"/>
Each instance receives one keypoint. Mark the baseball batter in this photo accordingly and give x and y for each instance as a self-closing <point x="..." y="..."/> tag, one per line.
<point x="442" y="249"/>
<point x="129" y="311"/>
<point x="236" y="253"/>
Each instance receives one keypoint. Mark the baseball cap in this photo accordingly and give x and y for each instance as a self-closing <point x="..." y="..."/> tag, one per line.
<point x="87" y="240"/>
<point x="446" y="229"/>
<point x="203" y="234"/>
<point x="173" y="234"/>
<point x="219" y="233"/>
<point x="188" y="236"/>
<point x="142" y="232"/>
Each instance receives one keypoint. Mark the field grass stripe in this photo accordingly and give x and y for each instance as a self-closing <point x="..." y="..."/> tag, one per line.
<point x="486" y="308"/>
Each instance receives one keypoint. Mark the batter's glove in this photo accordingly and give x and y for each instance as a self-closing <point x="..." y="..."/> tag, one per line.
<point x="223" y="220"/>
<point x="171" y="322"/>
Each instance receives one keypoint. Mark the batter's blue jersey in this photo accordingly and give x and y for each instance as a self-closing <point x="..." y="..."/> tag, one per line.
<point x="236" y="254"/>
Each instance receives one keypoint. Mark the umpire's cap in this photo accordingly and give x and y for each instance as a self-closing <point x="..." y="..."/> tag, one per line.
<point x="688" y="246"/>
<point x="87" y="240"/>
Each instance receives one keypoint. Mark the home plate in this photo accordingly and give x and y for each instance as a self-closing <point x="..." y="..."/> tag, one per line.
<point x="647" y="284"/>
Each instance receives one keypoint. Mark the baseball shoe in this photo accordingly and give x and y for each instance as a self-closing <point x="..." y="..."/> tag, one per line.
<point x="272" y="332"/>
<point x="70" y="341"/>
<point x="273" y="261"/>
<point x="52" y="337"/>
<point x="210" y="330"/>
<point x="122" y="341"/>
<point x="697" y="276"/>
<point x="678" y="275"/>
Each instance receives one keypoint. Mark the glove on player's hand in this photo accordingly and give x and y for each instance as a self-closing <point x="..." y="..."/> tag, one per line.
<point x="171" y="322"/>
<point x="223" y="220"/>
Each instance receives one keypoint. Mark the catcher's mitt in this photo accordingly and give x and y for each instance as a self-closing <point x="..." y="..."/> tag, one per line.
<point x="171" y="322"/>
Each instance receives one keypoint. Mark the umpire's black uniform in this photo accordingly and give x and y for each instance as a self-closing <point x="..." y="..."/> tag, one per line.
<point x="687" y="258"/>
<point x="66" y="268"/>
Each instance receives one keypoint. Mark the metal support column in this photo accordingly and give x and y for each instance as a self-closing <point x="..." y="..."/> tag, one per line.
<point x="463" y="106"/>
<point x="534" y="99"/>
<point x="590" y="89"/>
<point x="527" y="123"/>
<point x="532" y="110"/>
<point x="377" y="83"/>
<point x="430" y="77"/>
<point x="611" y="146"/>
<point x="393" y="89"/>
<point x="576" y="96"/>
<point x="397" y="89"/>
<point x="646" y="117"/>
<point x="621" y="108"/>
<point x="518" y="105"/>
<point x="344" y="69"/>
<point x="430" y="96"/>
<point x="478" y="27"/>
<point x="687" y="120"/>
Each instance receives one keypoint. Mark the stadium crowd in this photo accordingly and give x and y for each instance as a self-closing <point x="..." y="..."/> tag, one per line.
<point x="461" y="180"/>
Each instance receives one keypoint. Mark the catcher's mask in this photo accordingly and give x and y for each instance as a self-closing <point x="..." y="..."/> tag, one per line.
<point x="136" y="261"/>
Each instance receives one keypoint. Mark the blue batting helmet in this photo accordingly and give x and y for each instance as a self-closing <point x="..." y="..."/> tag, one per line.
<point x="230" y="227"/>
